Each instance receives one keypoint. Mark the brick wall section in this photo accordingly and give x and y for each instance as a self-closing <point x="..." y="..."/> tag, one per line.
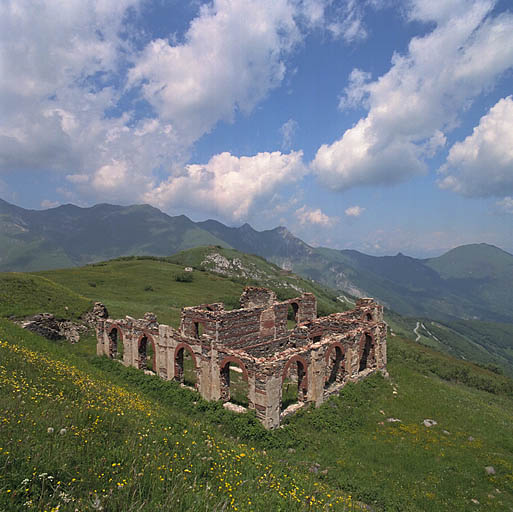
<point x="334" y="350"/>
<point x="239" y="328"/>
<point x="253" y="297"/>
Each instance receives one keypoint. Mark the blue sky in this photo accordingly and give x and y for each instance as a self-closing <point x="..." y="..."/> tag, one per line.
<point x="377" y="125"/>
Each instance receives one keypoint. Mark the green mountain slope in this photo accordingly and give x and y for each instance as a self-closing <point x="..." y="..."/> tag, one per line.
<point x="278" y="245"/>
<point x="485" y="343"/>
<point x="135" y="285"/>
<point x="415" y="287"/>
<point x="86" y="433"/>
<point x="24" y="294"/>
<point x="469" y="282"/>
<point x="69" y="235"/>
<point x="474" y="261"/>
<point x="252" y="269"/>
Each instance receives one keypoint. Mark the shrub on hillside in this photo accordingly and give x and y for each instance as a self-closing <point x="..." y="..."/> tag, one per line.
<point x="184" y="277"/>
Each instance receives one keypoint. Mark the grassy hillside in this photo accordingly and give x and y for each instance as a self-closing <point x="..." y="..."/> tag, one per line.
<point x="472" y="282"/>
<point x="85" y="433"/>
<point x="253" y="269"/>
<point x="80" y="436"/>
<point x="477" y="261"/>
<point x="135" y="285"/>
<point x="485" y="343"/>
<point x="23" y="294"/>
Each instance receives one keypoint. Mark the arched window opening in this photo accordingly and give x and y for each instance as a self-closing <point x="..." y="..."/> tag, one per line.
<point x="146" y="354"/>
<point x="366" y="359"/>
<point x="335" y="367"/>
<point x="292" y="315"/>
<point x="115" y="344"/>
<point x="185" y="368"/>
<point x="234" y="384"/>
<point x="368" y="317"/>
<point x="293" y="388"/>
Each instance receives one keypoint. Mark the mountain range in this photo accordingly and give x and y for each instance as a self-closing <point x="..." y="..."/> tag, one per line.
<point x="471" y="282"/>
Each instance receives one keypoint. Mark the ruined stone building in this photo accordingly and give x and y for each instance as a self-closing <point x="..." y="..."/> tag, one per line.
<point x="317" y="355"/>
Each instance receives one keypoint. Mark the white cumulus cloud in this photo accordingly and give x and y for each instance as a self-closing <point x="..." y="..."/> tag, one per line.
<point x="228" y="186"/>
<point x="232" y="56"/>
<point x="419" y="99"/>
<point x="311" y="216"/>
<point x="354" y="211"/>
<point x="482" y="164"/>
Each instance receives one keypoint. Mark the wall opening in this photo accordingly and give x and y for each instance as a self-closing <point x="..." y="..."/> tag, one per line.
<point x="368" y="317"/>
<point x="292" y="315"/>
<point x="115" y="344"/>
<point x="293" y="389"/>
<point x="335" y="367"/>
<point x="198" y="330"/>
<point x="366" y="359"/>
<point x="146" y="354"/>
<point x="234" y="384"/>
<point x="185" y="367"/>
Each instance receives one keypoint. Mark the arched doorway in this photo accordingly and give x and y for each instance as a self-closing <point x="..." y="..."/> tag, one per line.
<point x="234" y="382"/>
<point x="146" y="353"/>
<point x="367" y="359"/>
<point x="294" y="382"/>
<point x="335" y="366"/>
<point x="115" y="343"/>
<point x="185" y="365"/>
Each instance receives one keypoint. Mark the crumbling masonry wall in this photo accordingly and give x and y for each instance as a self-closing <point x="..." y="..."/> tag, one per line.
<point x="320" y="355"/>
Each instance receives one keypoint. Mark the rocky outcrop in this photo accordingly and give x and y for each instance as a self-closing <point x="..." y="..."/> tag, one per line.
<point x="46" y="325"/>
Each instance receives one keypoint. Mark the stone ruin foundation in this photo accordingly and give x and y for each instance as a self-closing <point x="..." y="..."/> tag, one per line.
<point x="316" y="356"/>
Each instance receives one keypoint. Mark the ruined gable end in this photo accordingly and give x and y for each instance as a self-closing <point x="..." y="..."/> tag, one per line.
<point x="255" y="297"/>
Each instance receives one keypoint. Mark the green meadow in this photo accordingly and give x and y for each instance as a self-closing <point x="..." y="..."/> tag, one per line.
<point x="78" y="432"/>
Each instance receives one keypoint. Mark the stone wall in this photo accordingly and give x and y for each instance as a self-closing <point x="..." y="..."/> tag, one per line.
<point x="318" y="356"/>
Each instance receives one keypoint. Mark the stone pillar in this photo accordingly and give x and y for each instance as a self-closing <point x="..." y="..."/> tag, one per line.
<point x="133" y="349"/>
<point x="353" y="356"/>
<point x="205" y="379"/>
<point x="381" y="347"/>
<point x="101" y="334"/>
<point x="268" y="323"/>
<point x="316" y="377"/>
<point x="160" y="357"/>
<point x="215" y="375"/>
<point x="272" y="399"/>
<point x="251" y="390"/>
